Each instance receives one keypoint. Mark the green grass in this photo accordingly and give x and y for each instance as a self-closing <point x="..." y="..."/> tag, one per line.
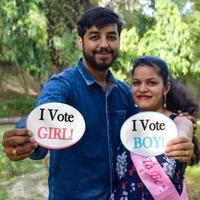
<point x="9" y="168"/>
<point x="13" y="172"/>
<point x="193" y="182"/>
<point x="193" y="176"/>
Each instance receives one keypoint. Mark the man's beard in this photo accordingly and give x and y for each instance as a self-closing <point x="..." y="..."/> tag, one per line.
<point x="103" y="66"/>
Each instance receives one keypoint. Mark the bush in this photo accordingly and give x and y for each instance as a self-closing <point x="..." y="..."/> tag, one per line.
<point x="16" y="107"/>
<point x="4" y="195"/>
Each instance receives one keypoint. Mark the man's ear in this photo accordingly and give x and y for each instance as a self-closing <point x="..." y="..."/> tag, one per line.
<point x="79" y="42"/>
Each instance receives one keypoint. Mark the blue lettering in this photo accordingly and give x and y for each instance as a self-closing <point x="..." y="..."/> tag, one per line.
<point x="159" y="141"/>
<point x="147" y="142"/>
<point x="137" y="142"/>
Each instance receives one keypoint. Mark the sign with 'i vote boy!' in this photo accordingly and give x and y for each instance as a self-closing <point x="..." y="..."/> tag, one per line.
<point x="147" y="133"/>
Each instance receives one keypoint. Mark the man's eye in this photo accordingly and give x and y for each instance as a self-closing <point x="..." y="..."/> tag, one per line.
<point x="94" y="37"/>
<point x="112" y="38"/>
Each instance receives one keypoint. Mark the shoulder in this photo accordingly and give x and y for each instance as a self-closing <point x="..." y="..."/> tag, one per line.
<point x="124" y="87"/>
<point x="122" y="84"/>
<point x="66" y="75"/>
<point x="58" y="88"/>
<point x="125" y="93"/>
<point x="62" y="79"/>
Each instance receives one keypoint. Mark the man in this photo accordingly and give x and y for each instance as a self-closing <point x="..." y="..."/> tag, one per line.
<point x="86" y="170"/>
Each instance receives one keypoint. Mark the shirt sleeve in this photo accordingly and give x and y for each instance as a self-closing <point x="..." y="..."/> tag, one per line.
<point x="55" y="90"/>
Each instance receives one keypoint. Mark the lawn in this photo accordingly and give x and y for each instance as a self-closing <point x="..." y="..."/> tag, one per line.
<point x="193" y="182"/>
<point x="22" y="180"/>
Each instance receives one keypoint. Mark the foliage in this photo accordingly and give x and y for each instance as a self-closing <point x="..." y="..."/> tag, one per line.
<point x="40" y="34"/>
<point x="132" y="12"/>
<point x="16" y="107"/>
<point x="4" y="195"/>
<point x="174" y="37"/>
<point x="172" y="40"/>
<point x="128" y="51"/>
<point x="24" y="35"/>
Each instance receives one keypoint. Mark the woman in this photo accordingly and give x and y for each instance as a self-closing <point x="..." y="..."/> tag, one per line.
<point x="154" y="90"/>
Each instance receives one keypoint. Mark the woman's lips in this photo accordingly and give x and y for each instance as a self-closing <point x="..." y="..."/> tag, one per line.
<point x="143" y="97"/>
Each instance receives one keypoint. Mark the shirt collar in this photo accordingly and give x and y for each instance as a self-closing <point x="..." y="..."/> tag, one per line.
<point x="88" y="77"/>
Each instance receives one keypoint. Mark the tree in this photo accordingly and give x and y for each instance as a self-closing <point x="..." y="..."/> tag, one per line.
<point x="39" y="34"/>
<point x="24" y="41"/>
<point x="62" y="17"/>
<point x="172" y="39"/>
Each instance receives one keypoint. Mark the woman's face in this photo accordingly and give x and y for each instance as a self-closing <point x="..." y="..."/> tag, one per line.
<point x="148" y="88"/>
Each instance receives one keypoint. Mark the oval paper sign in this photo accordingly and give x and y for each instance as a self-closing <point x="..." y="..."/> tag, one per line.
<point x="147" y="133"/>
<point x="56" y="125"/>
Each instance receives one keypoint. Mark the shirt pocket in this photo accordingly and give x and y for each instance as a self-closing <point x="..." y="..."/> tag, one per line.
<point x="117" y="117"/>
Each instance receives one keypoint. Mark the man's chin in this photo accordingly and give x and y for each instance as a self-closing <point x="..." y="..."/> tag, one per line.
<point x="103" y="66"/>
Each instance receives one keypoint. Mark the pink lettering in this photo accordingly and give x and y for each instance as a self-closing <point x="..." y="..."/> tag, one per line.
<point x="54" y="133"/>
<point x="157" y="177"/>
<point x="43" y="134"/>
<point x="148" y="164"/>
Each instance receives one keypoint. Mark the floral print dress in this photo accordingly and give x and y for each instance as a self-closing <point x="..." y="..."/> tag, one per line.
<point x="130" y="186"/>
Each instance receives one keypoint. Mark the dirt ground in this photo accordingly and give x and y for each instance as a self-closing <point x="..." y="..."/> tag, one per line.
<point x="26" y="187"/>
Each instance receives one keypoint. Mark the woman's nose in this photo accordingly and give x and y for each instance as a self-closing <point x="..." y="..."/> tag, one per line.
<point x="143" y="88"/>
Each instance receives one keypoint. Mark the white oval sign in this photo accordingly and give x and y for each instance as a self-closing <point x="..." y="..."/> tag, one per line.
<point x="147" y="133"/>
<point x="56" y="125"/>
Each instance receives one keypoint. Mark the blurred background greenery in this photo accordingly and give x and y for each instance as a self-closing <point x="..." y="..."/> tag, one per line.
<point x="37" y="39"/>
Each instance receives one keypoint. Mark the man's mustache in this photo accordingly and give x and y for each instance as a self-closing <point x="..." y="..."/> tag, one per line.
<point x="103" y="51"/>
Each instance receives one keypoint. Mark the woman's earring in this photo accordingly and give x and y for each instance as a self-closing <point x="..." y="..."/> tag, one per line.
<point x="164" y="100"/>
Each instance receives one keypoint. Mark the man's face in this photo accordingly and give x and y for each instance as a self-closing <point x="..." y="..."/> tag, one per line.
<point x="100" y="47"/>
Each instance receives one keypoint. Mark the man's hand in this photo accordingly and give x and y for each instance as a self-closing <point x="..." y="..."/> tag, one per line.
<point x="180" y="148"/>
<point x="18" y="144"/>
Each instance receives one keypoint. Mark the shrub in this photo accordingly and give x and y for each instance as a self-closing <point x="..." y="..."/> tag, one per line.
<point x="16" y="107"/>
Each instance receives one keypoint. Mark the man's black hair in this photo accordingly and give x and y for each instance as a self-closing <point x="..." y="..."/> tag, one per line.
<point x="99" y="17"/>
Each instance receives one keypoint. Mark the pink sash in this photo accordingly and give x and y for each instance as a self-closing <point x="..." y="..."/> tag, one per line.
<point x="156" y="180"/>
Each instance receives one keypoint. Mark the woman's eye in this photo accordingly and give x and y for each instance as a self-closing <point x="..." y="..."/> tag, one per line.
<point x="135" y="83"/>
<point x="152" y="83"/>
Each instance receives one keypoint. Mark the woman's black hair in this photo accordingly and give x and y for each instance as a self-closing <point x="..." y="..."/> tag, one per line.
<point x="99" y="17"/>
<point x="177" y="99"/>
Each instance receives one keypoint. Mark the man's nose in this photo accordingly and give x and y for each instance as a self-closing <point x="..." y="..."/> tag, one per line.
<point x="103" y="43"/>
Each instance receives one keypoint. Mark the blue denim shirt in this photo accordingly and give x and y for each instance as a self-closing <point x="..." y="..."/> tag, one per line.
<point x="86" y="171"/>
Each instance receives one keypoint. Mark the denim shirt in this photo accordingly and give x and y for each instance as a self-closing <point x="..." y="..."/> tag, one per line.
<point x="86" y="171"/>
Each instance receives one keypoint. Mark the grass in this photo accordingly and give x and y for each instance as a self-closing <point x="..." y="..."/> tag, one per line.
<point x="22" y="177"/>
<point x="9" y="168"/>
<point x="193" y="182"/>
